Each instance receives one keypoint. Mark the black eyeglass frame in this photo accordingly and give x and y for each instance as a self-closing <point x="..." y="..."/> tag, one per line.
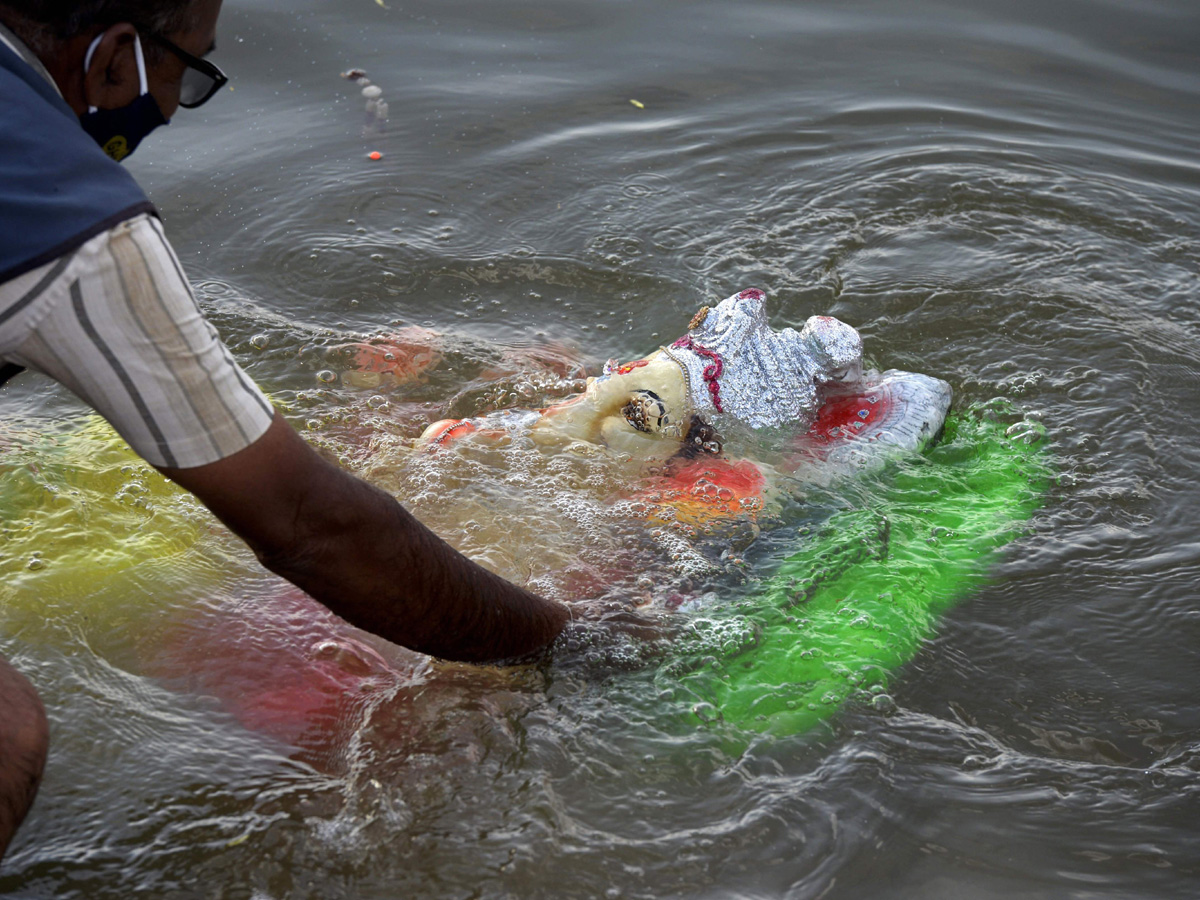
<point x="203" y="66"/>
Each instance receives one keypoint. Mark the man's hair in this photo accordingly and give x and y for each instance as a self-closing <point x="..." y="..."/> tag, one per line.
<point x="45" y="24"/>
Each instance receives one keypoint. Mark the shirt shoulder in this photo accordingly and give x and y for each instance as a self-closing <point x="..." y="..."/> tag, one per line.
<point x="117" y="323"/>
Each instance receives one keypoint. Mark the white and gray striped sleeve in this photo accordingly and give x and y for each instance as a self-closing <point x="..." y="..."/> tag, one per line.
<point x="116" y="322"/>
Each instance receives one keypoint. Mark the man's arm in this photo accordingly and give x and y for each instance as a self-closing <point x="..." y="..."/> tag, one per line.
<point x="355" y="549"/>
<point x="117" y="324"/>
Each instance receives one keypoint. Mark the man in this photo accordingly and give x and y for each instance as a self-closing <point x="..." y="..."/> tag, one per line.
<point x="92" y="295"/>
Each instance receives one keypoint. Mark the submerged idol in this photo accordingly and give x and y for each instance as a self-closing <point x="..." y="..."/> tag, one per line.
<point x="729" y="368"/>
<point x="731" y="374"/>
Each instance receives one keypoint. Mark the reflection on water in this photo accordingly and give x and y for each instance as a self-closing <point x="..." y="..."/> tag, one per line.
<point x="1002" y="195"/>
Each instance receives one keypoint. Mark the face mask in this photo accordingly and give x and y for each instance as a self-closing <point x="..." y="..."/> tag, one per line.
<point x="119" y="131"/>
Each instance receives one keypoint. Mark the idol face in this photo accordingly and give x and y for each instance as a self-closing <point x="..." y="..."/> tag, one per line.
<point x="641" y="408"/>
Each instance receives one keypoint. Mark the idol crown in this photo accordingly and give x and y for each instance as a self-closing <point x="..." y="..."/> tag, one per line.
<point x="738" y="367"/>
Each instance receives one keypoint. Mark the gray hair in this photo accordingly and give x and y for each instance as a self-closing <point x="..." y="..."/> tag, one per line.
<point x="46" y="24"/>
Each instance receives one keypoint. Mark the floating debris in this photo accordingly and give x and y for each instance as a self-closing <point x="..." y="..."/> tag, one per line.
<point x="376" y="105"/>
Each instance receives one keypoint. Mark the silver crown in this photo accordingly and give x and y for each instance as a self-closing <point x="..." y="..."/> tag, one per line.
<point x="737" y="367"/>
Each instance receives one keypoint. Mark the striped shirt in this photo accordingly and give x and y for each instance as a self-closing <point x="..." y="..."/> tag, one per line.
<point x="116" y="322"/>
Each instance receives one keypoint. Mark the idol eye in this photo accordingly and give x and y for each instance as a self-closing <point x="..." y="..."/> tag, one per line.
<point x="646" y="412"/>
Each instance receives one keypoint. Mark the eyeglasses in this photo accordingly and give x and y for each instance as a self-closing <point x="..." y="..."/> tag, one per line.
<point x="201" y="79"/>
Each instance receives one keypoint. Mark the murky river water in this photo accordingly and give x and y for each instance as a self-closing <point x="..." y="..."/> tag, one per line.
<point x="1001" y="194"/>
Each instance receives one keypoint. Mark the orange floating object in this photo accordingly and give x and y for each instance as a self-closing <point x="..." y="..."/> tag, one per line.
<point x="375" y="154"/>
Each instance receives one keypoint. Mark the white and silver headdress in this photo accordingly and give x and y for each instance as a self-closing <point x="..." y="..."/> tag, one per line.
<point x="739" y="368"/>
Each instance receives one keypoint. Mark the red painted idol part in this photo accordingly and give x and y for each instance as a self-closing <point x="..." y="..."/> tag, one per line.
<point x="752" y="294"/>
<point x="629" y="367"/>
<point x="404" y="355"/>
<point x="710" y="477"/>
<point x="449" y="430"/>
<point x="847" y="417"/>
<point x="286" y="667"/>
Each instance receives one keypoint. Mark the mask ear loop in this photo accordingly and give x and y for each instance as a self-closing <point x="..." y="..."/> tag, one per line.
<point x="143" y="84"/>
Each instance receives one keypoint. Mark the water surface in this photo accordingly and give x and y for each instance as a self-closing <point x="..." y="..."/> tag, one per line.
<point x="1001" y="194"/>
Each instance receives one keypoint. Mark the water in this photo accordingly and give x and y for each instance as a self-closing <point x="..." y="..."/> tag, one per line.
<point x="1003" y="195"/>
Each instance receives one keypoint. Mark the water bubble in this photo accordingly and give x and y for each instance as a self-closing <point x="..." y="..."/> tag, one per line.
<point x="260" y="341"/>
<point x="706" y="713"/>
<point x="1026" y="431"/>
<point x="326" y="376"/>
<point x="884" y="703"/>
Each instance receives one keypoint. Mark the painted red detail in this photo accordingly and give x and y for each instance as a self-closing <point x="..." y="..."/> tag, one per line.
<point x="629" y="367"/>
<point x="451" y="430"/>
<point x="741" y="476"/>
<point x="712" y="372"/>
<point x="846" y="417"/>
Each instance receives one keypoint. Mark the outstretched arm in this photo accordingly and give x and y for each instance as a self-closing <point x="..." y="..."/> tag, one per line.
<point x="358" y="551"/>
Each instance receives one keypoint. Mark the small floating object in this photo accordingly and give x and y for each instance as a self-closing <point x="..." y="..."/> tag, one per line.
<point x="638" y="103"/>
<point x="375" y="154"/>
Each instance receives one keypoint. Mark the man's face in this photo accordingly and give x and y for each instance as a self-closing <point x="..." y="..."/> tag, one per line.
<point x="165" y="75"/>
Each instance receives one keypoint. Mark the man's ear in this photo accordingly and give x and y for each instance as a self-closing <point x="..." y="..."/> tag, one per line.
<point x="111" y="81"/>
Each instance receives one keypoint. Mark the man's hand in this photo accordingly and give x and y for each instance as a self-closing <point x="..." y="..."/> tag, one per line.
<point x="356" y="550"/>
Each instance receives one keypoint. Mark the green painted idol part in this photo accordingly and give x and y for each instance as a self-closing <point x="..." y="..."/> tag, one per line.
<point x="865" y="589"/>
